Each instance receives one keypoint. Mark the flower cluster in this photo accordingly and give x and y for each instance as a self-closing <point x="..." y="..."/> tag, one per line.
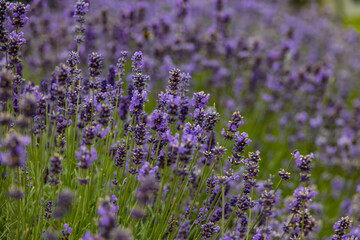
<point x="18" y="11"/>
<point x="81" y="8"/>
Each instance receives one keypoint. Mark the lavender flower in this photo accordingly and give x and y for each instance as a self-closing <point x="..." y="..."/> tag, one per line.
<point x="139" y="81"/>
<point x="48" y="209"/>
<point x="85" y="157"/>
<point x="241" y="141"/>
<point x="304" y="164"/>
<point x="137" y="103"/>
<point x="137" y="62"/>
<point x="340" y="228"/>
<point x="104" y="113"/>
<point x="62" y="75"/>
<point x="302" y="196"/>
<point x="200" y="100"/>
<point x="15" y="193"/>
<point x="184" y="108"/>
<point x="210" y="120"/>
<point x="158" y="121"/>
<point x="28" y="105"/>
<point x="88" y="134"/>
<point x="63" y="203"/>
<point x="86" y="111"/>
<point x="302" y="222"/>
<point x="6" y="83"/>
<point x="55" y="169"/>
<point x="81" y="8"/>
<point x="284" y="175"/>
<point x="95" y="64"/>
<point x="138" y="156"/>
<point x="121" y="63"/>
<point x="209" y="229"/>
<point x="107" y="222"/>
<point x="73" y="59"/>
<point x="174" y="82"/>
<point x="252" y="166"/>
<point x="183" y="231"/>
<point x="15" y="144"/>
<point x="140" y="133"/>
<point x="66" y="232"/>
<point x="267" y="201"/>
<point x="16" y="41"/>
<point x="120" y="155"/>
<point x="18" y="13"/>
<point x="147" y="189"/>
<point x="3" y="9"/>
<point x="233" y="125"/>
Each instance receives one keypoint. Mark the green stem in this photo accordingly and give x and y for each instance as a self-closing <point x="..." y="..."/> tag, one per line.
<point x="223" y="212"/>
<point x="287" y="225"/>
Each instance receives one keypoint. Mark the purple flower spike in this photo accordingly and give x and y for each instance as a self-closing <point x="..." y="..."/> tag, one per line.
<point x="15" y="144"/>
<point x="95" y="64"/>
<point x="340" y="227"/>
<point x="200" y="99"/>
<point x="304" y="164"/>
<point x="85" y="157"/>
<point x="18" y="13"/>
<point x="66" y="232"/>
<point x="137" y="62"/>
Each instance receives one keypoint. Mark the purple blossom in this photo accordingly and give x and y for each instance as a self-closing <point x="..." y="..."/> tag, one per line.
<point x="232" y="126"/>
<point x="284" y="175"/>
<point x="6" y="84"/>
<point x="108" y="221"/>
<point x="63" y="203"/>
<point x="95" y="64"/>
<point x="158" y="121"/>
<point x="241" y="141"/>
<point x="18" y="13"/>
<point x="88" y="134"/>
<point x="88" y="236"/>
<point x="174" y="82"/>
<point x="137" y="102"/>
<point x="15" y="154"/>
<point x="16" y="41"/>
<point x="140" y="134"/>
<point x="121" y="61"/>
<point x="147" y="189"/>
<point x="85" y="157"/>
<point x="210" y="120"/>
<point x="66" y="232"/>
<point x="120" y="155"/>
<point x="138" y="156"/>
<point x="209" y="229"/>
<point x="81" y="8"/>
<point x="104" y="113"/>
<point x="140" y="80"/>
<point x="137" y="62"/>
<point x="340" y="227"/>
<point x="55" y="168"/>
<point x="200" y="99"/>
<point x="304" y="164"/>
<point x="73" y="59"/>
<point x="48" y="209"/>
<point x="147" y="171"/>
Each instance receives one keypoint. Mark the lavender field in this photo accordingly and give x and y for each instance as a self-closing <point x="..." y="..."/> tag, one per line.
<point x="178" y="119"/>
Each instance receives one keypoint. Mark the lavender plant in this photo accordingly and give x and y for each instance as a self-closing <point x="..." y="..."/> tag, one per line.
<point x="293" y="67"/>
<point x="93" y="155"/>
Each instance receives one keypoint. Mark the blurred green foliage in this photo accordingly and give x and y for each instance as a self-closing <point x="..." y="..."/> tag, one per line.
<point x="354" y="22"/>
